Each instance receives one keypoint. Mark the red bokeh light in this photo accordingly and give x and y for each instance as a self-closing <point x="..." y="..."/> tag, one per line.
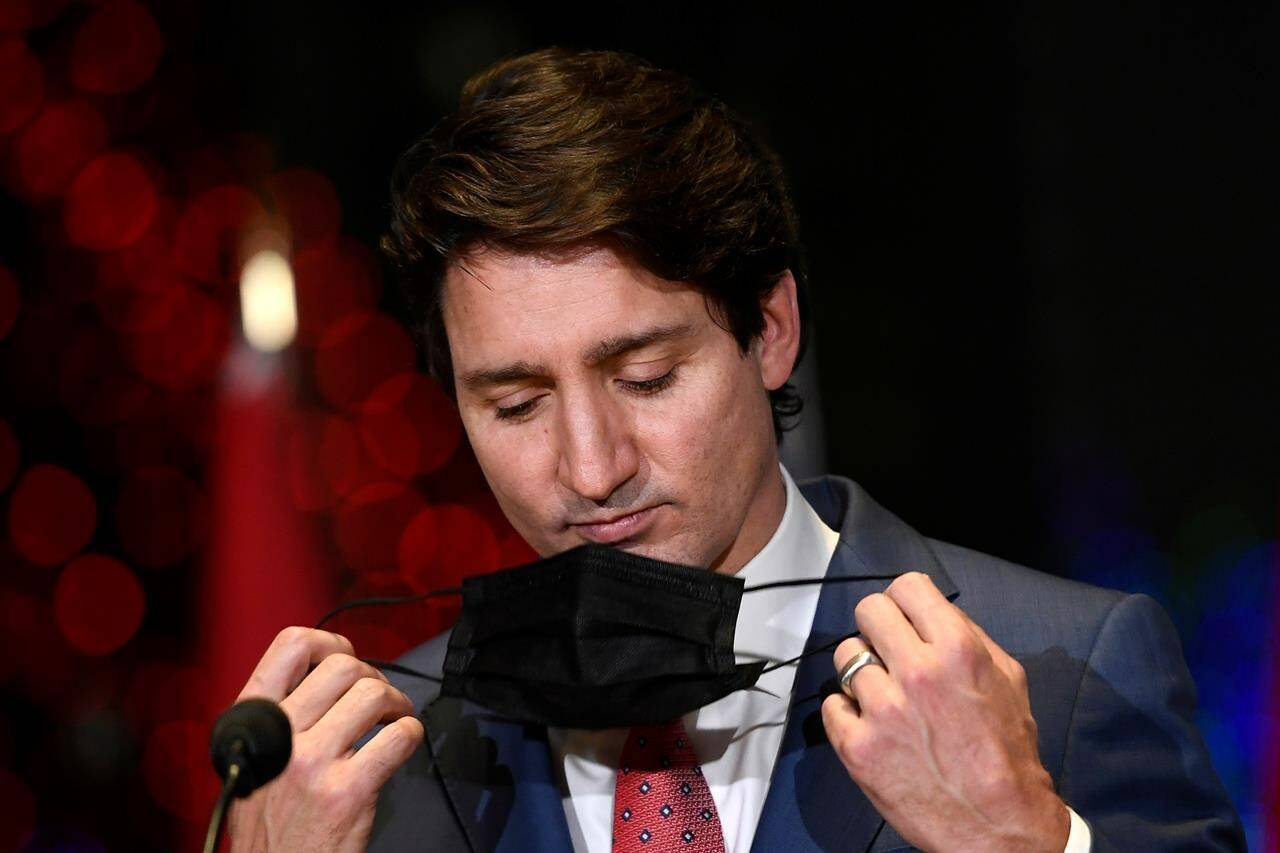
<point x="138" y="288"/>
<point x="333" y="280"/>
<point x="94" y="383"/>
<point x="208" y="233"/>
<point x="110" y="203"/>
<point x="18" y="817"/>
<point x="370" y="523"/>
<point x="161" y="515"/>
<point x="10" y="301"/>
<point x="8" y="455"/>
<point x="21" y="84"/>
<point x="56" y="145"/>
<point x="116" y="49"/>
<point x="98" y="604"/>
<point x="26" y="14"/>
<point x="52" y="515"/>
<point x="409" y="426"/>
<point x="176" y="769"/>
<point x="309" y="203"/>
<point x="444" y="544"/>
<point x="357" y="354"/>
<point x="325" y="460"/>
<point x="187" y="350"/>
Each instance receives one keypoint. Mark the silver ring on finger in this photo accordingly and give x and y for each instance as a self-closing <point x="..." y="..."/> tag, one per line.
<point x="857" y="662"/>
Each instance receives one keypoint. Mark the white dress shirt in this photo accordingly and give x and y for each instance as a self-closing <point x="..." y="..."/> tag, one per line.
<point x="737" y="737"/>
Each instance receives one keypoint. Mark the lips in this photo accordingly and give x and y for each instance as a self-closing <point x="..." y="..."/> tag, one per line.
<point x="617" y="529"/>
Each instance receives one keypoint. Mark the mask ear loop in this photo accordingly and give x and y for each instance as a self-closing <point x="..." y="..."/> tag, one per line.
<point x="828" y="646"/>
<point x="388" y="666"/>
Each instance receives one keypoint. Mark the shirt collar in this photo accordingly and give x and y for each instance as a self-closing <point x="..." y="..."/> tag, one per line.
<point x="774" y="624"/>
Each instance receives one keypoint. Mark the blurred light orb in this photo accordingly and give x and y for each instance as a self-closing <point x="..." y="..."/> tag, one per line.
<point x="176" y="769"/>
<point x="187" y="351"/>
<point x="137" y="288"/>
<point x="268" y="312"/>
<point x="10" y="302"/>
<point x="357" y="354"/>
<point x="334" y="280"/>
<point x="445" y="544"/>
<point x="371" y="522"/>
<point x="8" y="454"/>
<point x="409" y="426"/>
<point x="161" y="516"/>
<point x="26" y="14"/>
<point x="52" y="515"/>
<point x="208" y="233"/>
<point x="95" y="385"/>
<point x="116" y="49"/>
<point x="307" y="201"/>
<point x="21" y="84"/>
<point x="110" y="203"/>
<point x="18" y="817"/>
<point x="98" y="603"/>
<point x="56" y="145"/>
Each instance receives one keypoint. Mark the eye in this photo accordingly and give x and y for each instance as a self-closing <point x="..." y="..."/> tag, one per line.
<point x="516" y="412"/>
<point x="650" y="386"/>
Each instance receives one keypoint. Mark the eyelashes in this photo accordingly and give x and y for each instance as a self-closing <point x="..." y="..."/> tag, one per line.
<point x="643" y="388"/>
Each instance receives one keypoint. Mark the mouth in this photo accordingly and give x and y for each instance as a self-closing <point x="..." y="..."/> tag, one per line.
<point x="618" y="528"/>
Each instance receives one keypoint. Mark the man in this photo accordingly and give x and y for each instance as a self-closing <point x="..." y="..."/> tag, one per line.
<point x="604" y="270"/>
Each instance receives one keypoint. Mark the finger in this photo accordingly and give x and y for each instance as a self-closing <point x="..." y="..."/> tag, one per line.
<point x="323" y="687"/>
<point x="386" y="751"/>
<point x="846" y="729"/>
<point x="886" y="629"/>
<point x="870" y="683"/>
<point x="286" y="661"/>
<point x="368" y="702"/>
<point x="935" y="619"/>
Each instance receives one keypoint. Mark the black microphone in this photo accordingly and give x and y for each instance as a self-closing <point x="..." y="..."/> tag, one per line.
<point x="250" y="745"/>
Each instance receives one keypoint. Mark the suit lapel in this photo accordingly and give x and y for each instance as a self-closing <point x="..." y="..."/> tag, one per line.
<point x="812" y="803"/>
<point x="497" y="774"/>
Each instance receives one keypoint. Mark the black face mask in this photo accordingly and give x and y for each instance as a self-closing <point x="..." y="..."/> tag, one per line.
<point x="596" y="638"/>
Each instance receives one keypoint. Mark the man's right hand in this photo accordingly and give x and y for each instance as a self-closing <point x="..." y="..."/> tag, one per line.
<point x="324" y="799"/>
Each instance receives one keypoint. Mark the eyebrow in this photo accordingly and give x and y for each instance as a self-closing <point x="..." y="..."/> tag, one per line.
<point x="610" y="348"/>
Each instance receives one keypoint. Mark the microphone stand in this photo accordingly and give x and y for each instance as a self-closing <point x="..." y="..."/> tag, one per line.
<point x="214" y="835"/>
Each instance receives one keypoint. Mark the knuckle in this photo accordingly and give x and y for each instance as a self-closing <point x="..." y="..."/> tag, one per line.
<point x="333" y="792"/>
<point x="856" y="751"/>
<point x="868" y="604"/>
<point x="369" y="689"/>
<point x="917" y="675"/>
<point x="344" y="665"/>
<point x="292" y="636"/>
<point x="305" y="765"/>
<point x="1018" y="672"/>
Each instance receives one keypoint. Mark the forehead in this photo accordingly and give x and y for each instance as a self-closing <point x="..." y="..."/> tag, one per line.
<point x="501" y="305"/>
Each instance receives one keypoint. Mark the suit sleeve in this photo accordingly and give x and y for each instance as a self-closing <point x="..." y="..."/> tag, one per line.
<point x="1135" y="766"/>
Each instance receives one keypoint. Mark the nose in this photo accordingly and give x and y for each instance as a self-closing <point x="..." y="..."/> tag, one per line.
<point x="597" y="450"/>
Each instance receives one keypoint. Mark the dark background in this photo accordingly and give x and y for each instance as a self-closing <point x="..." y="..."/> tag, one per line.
<point x="1042" y="244"/>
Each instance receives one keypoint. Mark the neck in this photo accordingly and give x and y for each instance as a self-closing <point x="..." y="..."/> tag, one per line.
<point x="764" y="513"/>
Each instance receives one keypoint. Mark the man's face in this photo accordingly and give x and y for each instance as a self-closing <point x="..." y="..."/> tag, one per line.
<point x="604" y="404"/>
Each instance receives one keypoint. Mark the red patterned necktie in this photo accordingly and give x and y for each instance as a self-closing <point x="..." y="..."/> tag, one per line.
<point x="661" y="802"/>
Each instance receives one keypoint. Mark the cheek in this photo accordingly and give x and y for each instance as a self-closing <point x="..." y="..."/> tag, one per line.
<point x="707" y="436"/>
<point x="516" y="464"/>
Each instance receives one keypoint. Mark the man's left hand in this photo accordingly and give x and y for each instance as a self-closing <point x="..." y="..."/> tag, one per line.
<point x="941" y="738"/>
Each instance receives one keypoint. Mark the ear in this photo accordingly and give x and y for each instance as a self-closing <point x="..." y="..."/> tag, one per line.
<point x="779" y="341"/>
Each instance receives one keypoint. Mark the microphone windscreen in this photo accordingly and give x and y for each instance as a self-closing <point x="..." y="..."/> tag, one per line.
<point x="256" y="734"/>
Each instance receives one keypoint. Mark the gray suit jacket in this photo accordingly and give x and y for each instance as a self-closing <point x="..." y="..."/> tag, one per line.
<point x="1109" y="690"/>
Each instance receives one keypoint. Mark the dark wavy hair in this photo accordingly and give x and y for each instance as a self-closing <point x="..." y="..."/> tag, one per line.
<point x="557" y="147"/>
